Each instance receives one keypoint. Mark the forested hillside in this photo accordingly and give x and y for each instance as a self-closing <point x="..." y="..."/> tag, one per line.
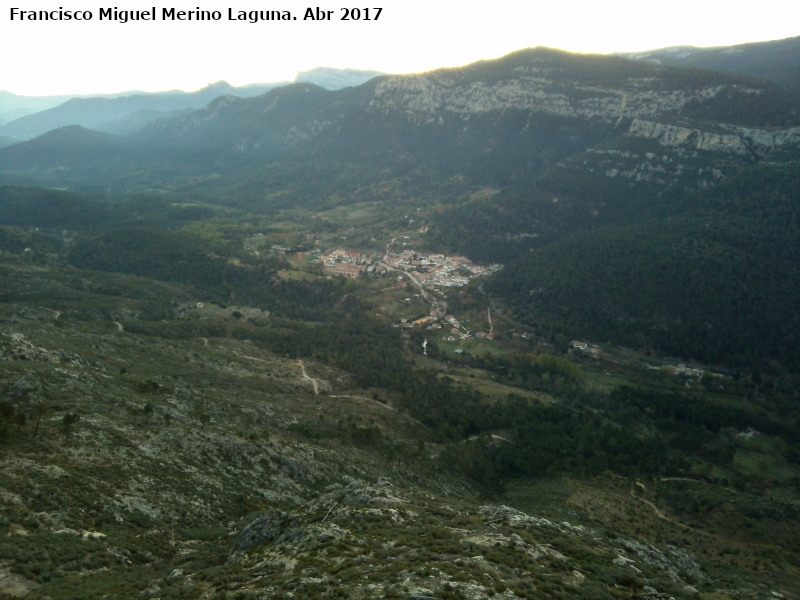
<point x="777" y="60"/>
<point x="713" y="277"/>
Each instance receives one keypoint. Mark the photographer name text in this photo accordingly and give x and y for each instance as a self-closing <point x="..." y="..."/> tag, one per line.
<point x="172" y="14"/>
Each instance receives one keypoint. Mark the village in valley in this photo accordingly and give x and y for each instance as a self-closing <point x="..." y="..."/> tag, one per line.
<point x="425" y="272"/>
<point x="426" y="275"/>
<point x="428" y="270"/>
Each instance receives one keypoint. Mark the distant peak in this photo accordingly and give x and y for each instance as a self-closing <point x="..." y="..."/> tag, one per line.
<point x="334" y="79"/>
<point x="218" y="86"/>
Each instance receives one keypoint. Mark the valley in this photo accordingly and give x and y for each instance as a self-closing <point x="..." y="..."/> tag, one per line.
<point x="524" y="329"/>
<point x="221" y="412"/>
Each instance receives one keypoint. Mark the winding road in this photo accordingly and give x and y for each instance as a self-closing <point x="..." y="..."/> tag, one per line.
<point x="438" y="306"/>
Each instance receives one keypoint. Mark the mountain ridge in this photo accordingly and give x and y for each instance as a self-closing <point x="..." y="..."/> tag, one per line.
<point x="124" y="112"/>
<point x="438" y="95"/>
<point x="774" y="60"/>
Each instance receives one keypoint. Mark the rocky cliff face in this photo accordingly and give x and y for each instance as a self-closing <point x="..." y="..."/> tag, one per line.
<point x="423" y="96"/>
<point x="729" y="139"/>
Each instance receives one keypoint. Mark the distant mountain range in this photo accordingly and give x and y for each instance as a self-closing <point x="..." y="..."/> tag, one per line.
<point x="13" y="106"/>
<point x="501" y="121"/>
<point x="335" y="79"/>
<point x="25" y="117"/>
<point x="119" y="114"/>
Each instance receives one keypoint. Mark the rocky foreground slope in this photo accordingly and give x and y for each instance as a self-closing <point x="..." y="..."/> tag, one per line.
<point x="143" y="457"/>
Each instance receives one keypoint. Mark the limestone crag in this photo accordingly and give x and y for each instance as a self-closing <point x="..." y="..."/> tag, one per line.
<point x="742" y="141"/>
<point x="423" y="96"/>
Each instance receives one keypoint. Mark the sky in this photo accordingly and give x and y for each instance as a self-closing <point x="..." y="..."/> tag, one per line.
<point x="409" y="36"/>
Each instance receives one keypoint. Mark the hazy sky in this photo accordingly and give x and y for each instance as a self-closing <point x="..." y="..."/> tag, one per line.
<point x="98" y="56"/>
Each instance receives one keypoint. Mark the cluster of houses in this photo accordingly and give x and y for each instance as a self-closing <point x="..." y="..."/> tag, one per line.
<point x="433" y="270"/>
<point x="347" y="263"/>
<point x="430" y="270"/>
<point x="427" y="270"/>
